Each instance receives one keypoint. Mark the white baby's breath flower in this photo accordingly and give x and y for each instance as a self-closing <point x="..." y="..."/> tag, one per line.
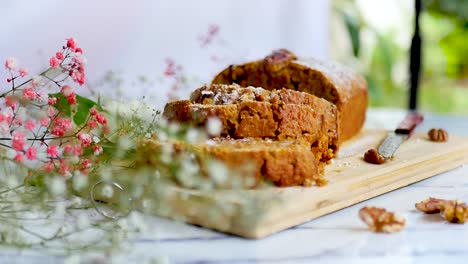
<point x="57" y="186"/>
<point x="125" y="143"/>
<point x="79" y="181"/>
<point x="173" y="128"/>
<point x="214" y="126"/>
<point x="162" y="136"/>
<point x="96" y="139"/>
<point x="162" y="122"/>
<point x="148" y="135"/>
<point x="217" y="171"/>
<point x="74" y="159"/>
<point x="166" y="153"/>
<point x="137" y="221"/>
<point x="192" y="135"/>
<point x="106" y="174"/>
<point x="107" y="191"/>
<point x="12" y="181"/>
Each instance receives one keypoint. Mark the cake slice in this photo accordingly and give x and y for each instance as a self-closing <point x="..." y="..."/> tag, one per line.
<point x="334" y="82"/>
<point x="284" y="163"/>
<point x="259" y="113"/>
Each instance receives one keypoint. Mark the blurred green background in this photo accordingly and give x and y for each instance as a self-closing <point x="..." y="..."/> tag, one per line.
<point x="375" y="37"/>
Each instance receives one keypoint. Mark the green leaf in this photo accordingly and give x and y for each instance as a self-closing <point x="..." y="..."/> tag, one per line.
<point x="81" y="111"/>
<point x="62" y="104"/>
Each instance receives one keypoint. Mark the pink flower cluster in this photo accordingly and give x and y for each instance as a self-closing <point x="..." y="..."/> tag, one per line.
<point x="70" y="59"/>
<point x="34" y="129"/>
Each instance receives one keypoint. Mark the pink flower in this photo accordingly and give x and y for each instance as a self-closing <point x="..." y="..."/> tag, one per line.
<point x="52" y="100"/>
<point x="18" y="140"/>
<point x="86" y="163"/>
<point x="5" y="117"/>
<point x="49" y="166"/>
<point x="29" y="93"/>
<point x="59" y="55"/>
<point x="51" y="112"/>
<point x="64" y="167"/>
<point x="93" y="111"/>
<point x="10" y="64"/>
<point x="85" y="139"/>
<point x="66" y="90"/>
<point x="31" y="153"/>
<point x="18" y="158"/>
<point x="52" y="151"/>
<point x="45" y="121"/>
<point x="77" y="150"/>
<point x="11" y="102"/>
<point x="23" y="72"/>
<point x="71" y="99"/>
<point x="54" y="63"/>
<point x="97" y="150"/>
<point x="101" y="119"/>
<point x="79" y="50"/>
<point x="61" y="126"/>
<point x="71" y="43"/>
<point x="92" y="124"/>
<point x="30" y="125"/>
<point x="68" y="149"/>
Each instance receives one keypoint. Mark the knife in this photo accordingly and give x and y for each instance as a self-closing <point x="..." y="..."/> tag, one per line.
<point x="402" y="133"/>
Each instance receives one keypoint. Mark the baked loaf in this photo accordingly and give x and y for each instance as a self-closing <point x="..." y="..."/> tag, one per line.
<point x="331" y="81"/>
<point x="284" y="163"/>
<point x="259" y="113"/>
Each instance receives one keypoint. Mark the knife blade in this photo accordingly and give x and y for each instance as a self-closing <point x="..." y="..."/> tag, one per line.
<point x="395" y="138"/>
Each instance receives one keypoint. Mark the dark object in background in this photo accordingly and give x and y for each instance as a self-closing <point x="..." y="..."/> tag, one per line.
<point x="415" y="59"/>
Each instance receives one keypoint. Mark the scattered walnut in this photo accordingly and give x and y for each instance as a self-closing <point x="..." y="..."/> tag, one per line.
<point x="438" y="135"/>
<point x="430" y="205"/>
<point x="380" y="220"/>
<point x="454" y="211"/>
<point x="373" y="156"/>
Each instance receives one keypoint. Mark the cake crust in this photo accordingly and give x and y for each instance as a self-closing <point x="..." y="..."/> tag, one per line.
<point x="334" y="82"/>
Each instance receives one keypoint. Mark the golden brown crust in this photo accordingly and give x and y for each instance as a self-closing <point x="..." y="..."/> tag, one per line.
<point x="331" y="81"/>
<point x="285" y="163"/>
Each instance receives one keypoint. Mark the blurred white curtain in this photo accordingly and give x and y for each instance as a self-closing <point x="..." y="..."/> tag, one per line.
<point x="134" y="37"/>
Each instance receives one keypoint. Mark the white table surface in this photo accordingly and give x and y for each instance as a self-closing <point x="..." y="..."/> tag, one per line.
<point x="339" y="237"/>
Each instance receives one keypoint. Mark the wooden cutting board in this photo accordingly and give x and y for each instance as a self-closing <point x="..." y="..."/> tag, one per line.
<point x="258" y="213"/>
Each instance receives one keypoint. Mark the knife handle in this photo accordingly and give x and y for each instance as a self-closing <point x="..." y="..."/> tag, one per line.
<point x="410" y="122"/>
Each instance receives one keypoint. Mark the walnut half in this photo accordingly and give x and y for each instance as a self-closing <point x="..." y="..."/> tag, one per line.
<point x="438" y="135"/>
<point x="380" y="220"/>
<point x="453" y="211"/>
<point x="373" y="156"/>
<point x="430" y="205"/>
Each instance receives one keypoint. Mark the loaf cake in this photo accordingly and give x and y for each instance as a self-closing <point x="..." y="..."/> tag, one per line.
<point x="284" y="163"/>
<point x="331" y="81"/>
<point x="258" y="113"/>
